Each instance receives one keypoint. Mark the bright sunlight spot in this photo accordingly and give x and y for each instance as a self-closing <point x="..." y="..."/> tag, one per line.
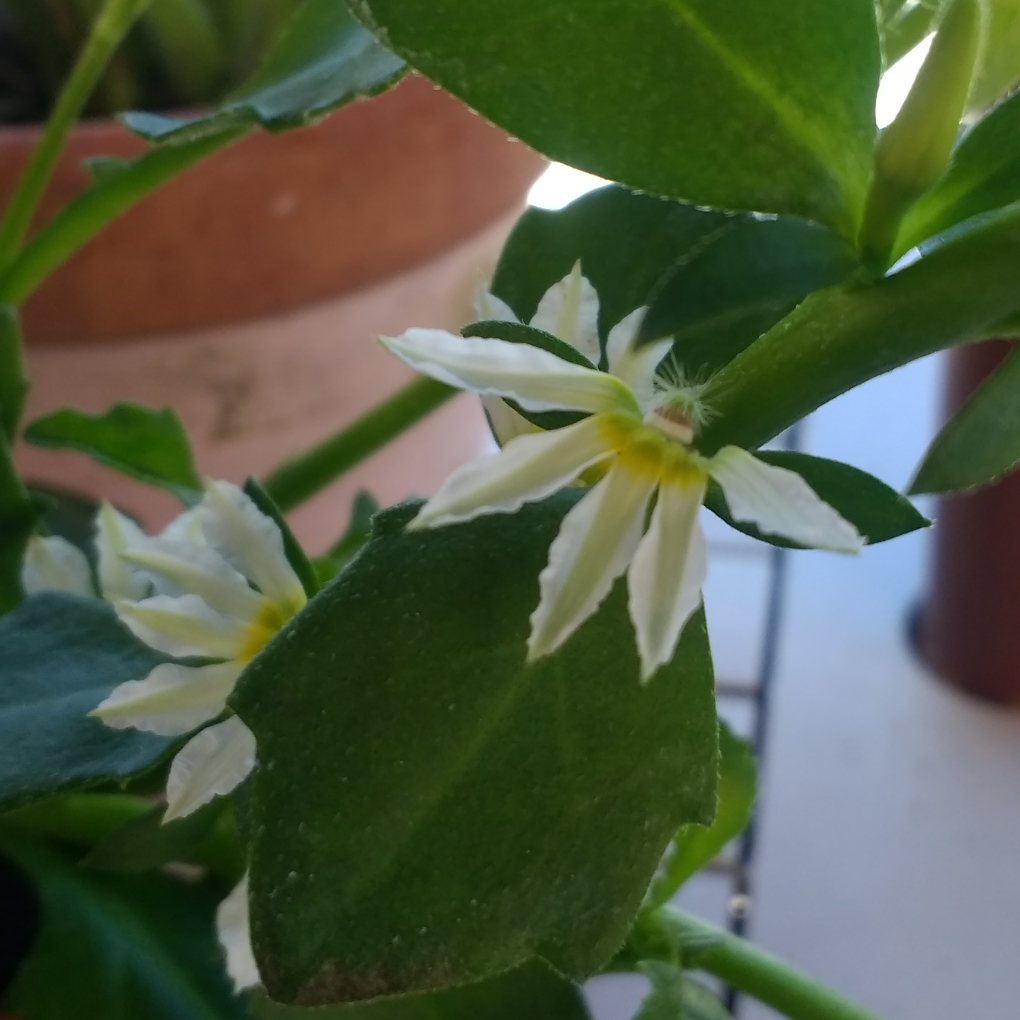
<point x="896" y="82"/>
<point x="560" y="185"/>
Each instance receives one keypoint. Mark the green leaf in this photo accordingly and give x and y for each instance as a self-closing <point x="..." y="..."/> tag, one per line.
<point x="676" y="997"/>
<point x="878" y="512"/>
<point x="296" y="556"/>
<point x="118" y="947"/>
<point x="742" y="281"/>
<point x="999" y="69"/>
<point x="323" y="60"/>
<point x="984" y="175"/>
<point x="457" y="809"/>
<point x="60" y="655"/>
<point x="982" y="440"/>
<point x="185" y="35"/>
<point x="70" y="515"/>
<point x="358" y="532"/>
<point x="842" y="336"/>
<point x="766" y="106"/>
<point x="138" y="441"/>
<point x="13" y="380"/>
<point x="694" y="846"/>
<point x="531" y="992"/>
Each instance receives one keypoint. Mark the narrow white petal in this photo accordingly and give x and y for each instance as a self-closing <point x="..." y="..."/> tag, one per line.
<point x="779" y="502"/>
<point x="184" y="626"/>
<point x="666" y="574"/>
<point x="596" y="542"/>
<point x="186" y="527"/>
<point x="527" y="468"/>
<point x="54" y="564"/>
<point x="621" y="337"/>
<point x="570" y="310"/>
<point x="489" y="308"/>
<point x="210" y="764"/>
<point x="251" y="542"/>
<point x="200" y="570"/>
<point x="171" y="700"/>
<point x="115" y="535"/>
<point x="234" y="933"/>
<point x="505" y="422"/>
<point x="635" y="367"/>
<point x="536" y="379"/>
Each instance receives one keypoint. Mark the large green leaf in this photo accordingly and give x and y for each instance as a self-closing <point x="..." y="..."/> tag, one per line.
<point x="429" y="809"/>
<point x="840" y="337"/>
<point x="766" y="106"/>
<point x="118" y="947"/>
<point x="60" y="655"/>
<point x="984" y="175"/>
<point x="142" y="442"/>
<point x="878" y="512"/>
<point x="694" y="846"/>
<point x="999" y="67"/>
<point x="531" y="992"/>
<point x="982" y="440"/>
<point x="676" y="997"/>
<point x="324" y="59"/>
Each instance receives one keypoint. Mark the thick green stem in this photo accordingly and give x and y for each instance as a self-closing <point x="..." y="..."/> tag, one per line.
<point x="13" y="381"/>
<point x="98" y="206"/>
<point x="109" y="29"/>
<point x="303" y="476"/>
<point x="753" y="971"/>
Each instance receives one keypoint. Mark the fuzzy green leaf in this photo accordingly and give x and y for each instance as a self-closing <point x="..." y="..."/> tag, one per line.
<point x="60" y="655"/>
<point x="429" y="808"/>
<point x="766" y="106"/>
<point x="878" y="512"/>
<point x="138" y="441"/>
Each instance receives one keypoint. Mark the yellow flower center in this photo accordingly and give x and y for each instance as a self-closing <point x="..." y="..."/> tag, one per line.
<point x="266" y="623"/>
<point x="650" y="450"/>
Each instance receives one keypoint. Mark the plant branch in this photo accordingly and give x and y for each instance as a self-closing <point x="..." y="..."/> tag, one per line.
<point x="303" y="476"/>
<point x="751" y="970"/>
<point x="109" y="28"/>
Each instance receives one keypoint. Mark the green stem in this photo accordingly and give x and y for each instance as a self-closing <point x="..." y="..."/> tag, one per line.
<point x="98" y="206"/>
<point x="108" y="30"/>
<point x="80" y="818"/>
<point x="301" y="477"/>
<point x="13" y="380"/>
<point x="751" y="970"/>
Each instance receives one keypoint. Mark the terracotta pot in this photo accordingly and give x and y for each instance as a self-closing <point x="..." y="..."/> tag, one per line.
<point x="968" y="629"/>
<point x="247" y="293"/>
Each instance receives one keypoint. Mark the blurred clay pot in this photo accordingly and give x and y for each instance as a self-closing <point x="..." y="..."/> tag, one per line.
<point x="246" y="294"/>
<point x="968" y="629"/>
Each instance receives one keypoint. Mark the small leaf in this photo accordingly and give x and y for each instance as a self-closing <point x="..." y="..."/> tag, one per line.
<point x="296" y="556"/>
<point x="323" y="60"/>
<point x="138" y="441"/>
<point x="766" y="106"/>
<point x="118" y="947"/>
<point x="358" y="532"/>
<point x="458" y="810"/>
<point x="676" y="997"/>
<point x="60" y="655"/>
<point x="533" y="991"/>
<point x="878" y="512"/>
<point x="694" y="846"/>
<point x="982" y="440"/>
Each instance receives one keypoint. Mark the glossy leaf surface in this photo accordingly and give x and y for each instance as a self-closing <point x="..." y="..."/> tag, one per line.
<point x="877" y="511"/>
<point x="60" y="655"/>
<point x="142" y="442"/>
<point x="428" y="808"/>
<point x="767" y="107"/>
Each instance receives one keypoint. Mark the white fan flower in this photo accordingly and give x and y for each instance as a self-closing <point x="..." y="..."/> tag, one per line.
<point x="218" y="591"/>
<point x="639" y="433"/>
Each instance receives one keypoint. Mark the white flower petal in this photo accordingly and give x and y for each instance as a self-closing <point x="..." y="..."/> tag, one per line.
<point x="171" y="700"/>
<point x="505" y="422"/>
<point x="115" y="534"/>
<point x="233" y="931"/>
<point x="186" y="527"/>
<point x="54" y="564"/>
<point x="210" y="764"/>
<point x="779" y="502"/>
<point x="621" y="337"/>
<point x="636" y="367"/>
<point x="536" y="379"/>
<point x="666" y="574"/>
<point x="251" y="542"/>
<point x="527" y="468"/>
<point x="570" y="310"/>
<point x="489" y="308"/>
<point x="596" y="542"/>
<point x="202" y="571"/>
<point x="184" y="626"/>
